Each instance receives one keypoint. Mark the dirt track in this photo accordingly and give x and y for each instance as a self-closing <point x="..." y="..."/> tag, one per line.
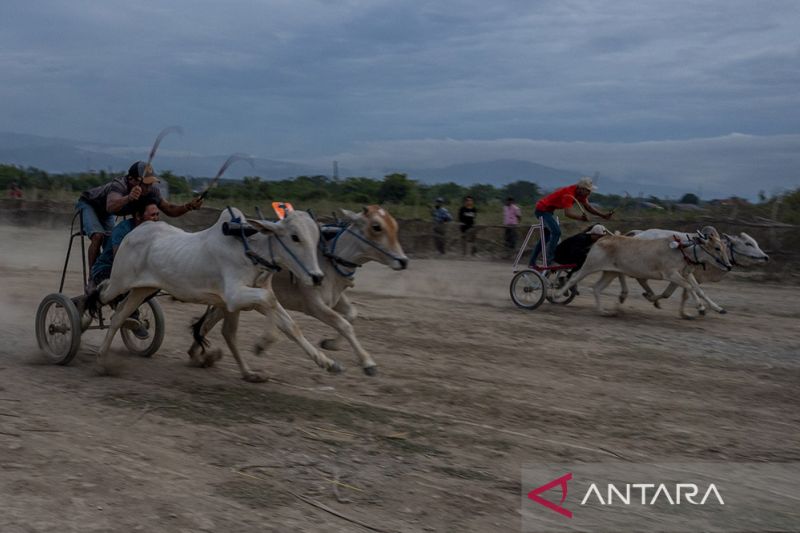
<point x="470" y="389"/>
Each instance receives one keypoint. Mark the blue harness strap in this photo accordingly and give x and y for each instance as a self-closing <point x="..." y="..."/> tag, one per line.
<point x="250" y="254"/>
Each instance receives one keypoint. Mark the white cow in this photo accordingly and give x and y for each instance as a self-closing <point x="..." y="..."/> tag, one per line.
<point x="651" y="259"/>
<point x="367" y="236"/>
<point x="743" y="250"/>
<point x="212" y="268"/>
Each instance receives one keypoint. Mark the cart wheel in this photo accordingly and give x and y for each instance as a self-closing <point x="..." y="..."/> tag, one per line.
<point x="58" y="328"/>
<point x="557" y="279"/>
<point x="528" y="289"/>
<point x="151" y="320"/>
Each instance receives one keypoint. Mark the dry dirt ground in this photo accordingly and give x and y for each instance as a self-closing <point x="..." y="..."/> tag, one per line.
<point x="470" y="389"/>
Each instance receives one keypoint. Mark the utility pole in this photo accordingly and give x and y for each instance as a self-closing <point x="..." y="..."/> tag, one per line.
<point x="335" y="170"/>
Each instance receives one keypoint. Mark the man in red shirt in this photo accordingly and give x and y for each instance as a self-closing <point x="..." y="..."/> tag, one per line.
<point x="564" y="198"/>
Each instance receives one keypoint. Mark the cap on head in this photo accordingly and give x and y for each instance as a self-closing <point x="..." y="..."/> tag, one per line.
<point x="586" y="183"/>
<point x="598" y="229"/>
<point x="440" y="200"/>
<point x="142" y="170"/>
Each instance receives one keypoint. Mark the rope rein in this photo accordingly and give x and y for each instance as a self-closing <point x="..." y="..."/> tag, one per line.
<point x="338" y="261"/>
<point x="255" y="258"/>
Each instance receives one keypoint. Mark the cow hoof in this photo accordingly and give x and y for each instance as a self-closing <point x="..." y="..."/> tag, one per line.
<point x="702" y="312"/>
<point x="255" y="377"/>
<point x="622" y="299"/>
<point x="657" y="304"/>
<point x="687" y="317"/>
<point x="211" y="358"/>
<point x="335" y="368"/>
<point x="330" y="344"/>
<point x="722" y="312"/>
<point x="371" y="370"/>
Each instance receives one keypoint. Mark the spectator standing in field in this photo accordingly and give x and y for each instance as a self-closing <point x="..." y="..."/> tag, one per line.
<point x="441" y="216"/>
<point x="466" y="216"/>
<point x="512" y="215"/>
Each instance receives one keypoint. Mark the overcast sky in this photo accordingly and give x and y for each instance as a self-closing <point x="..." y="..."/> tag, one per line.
<point x="682" y="91"/>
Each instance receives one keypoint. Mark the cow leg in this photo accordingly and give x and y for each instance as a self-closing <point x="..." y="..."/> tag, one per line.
<point x="229" y="327"/>
<point x="198" y="354"/>
<point x="623" y="286"/>
<point x="601" y="284"/>
<point x="648" y="293"/>
<point x="268" y="337"/>
<point x="317" y="308"/>
<point x="585" y="270"/>
<point x="699" y="291"/>
<point x="345" y="308"/>
<point x="676" y="278"/>
<point x="130" y="304"/>
<point x="684" y="297"/>
<point x="272" y="308"/>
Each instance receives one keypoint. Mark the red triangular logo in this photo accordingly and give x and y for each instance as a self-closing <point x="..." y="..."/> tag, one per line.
<point x="562" y="481"/>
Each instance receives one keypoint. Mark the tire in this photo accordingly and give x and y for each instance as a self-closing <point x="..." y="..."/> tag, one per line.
<point x="152" y="318"/>
<point x="528" y="289"/>
<point x="58" y="328"/>
<point x="557" y="279"/>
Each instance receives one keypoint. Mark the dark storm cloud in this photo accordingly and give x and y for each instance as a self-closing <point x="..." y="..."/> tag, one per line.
<point x="319" y="79"/>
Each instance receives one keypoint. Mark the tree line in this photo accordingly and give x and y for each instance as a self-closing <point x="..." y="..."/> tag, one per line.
<point x="396" y="189"/>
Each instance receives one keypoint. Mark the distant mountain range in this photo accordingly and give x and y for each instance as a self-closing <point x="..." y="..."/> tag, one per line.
<point x="58" y="155"/>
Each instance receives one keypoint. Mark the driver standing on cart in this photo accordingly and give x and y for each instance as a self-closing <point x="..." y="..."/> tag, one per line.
<point x="563" y="198"/>
<point x="119" y="197"/>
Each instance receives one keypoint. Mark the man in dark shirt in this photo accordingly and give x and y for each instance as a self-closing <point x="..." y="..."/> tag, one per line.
<point x="466" y="216"/>
<point x="119" y="197"/>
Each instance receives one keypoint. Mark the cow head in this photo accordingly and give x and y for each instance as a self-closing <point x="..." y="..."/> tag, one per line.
<point x="744" y="250"/>
<point x="297" y="237"/>
<point x="379" y="230"/>
<point x="711" y="244"/>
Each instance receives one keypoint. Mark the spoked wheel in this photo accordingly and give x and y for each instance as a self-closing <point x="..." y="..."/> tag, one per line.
<point x="58" y="328"/>
<point x="557" y="279"/>
<point x="144" y="333"/>
<point x="528" y="289"/>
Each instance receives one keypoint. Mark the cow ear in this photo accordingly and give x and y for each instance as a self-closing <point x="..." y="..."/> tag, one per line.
<point x="348" y="215"/>
<point x="264" y="226"/>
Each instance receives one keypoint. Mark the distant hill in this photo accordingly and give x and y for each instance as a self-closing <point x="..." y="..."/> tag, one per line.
<point x="497" y="172"/>
<point x="58" y="155"/>
<point x="64" y="155"/>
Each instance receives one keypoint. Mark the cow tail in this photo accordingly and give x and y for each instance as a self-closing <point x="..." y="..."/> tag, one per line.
<point x="197" y="327"/>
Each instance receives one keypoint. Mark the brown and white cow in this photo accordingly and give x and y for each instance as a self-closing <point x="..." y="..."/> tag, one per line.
<point x="371" y="235"/>
<point x="665" y="259"/>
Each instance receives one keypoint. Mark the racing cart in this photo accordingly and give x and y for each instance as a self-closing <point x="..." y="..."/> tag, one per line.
<point x="531" y="286"/>
<point x="61" y="320"/>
